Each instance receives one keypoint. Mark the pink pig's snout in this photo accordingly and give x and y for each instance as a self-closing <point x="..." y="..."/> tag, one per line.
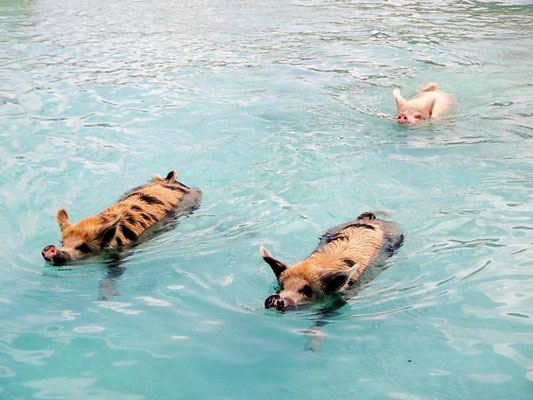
<point x="402" y="118"/>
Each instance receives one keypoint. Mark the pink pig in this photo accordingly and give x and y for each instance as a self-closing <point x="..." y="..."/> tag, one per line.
<point x="427" y="105"/>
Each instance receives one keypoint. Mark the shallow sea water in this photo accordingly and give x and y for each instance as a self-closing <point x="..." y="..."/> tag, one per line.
<point x="281" y="112"/>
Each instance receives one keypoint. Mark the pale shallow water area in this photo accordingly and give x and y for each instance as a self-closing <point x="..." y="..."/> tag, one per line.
<point x="281" y="112"/>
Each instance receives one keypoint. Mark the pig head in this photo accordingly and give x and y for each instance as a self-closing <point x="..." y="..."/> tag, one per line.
<point x="416" y="110"/>
<point x="79" y="240"/>
<point x="304" y="282"/>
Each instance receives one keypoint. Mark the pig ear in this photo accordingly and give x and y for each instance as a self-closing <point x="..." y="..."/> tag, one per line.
<point x="156" y="178"/>
<point x="171" y="176"/>
<point x="277" y="266"/>
<point x="400" y="101"/>
<point x="431" y="105"/>
<point x="62" y="219"/>
<point x="108" y="232"/>
<point x="336" y="280"/>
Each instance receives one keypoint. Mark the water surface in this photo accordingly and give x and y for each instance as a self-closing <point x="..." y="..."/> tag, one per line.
<point x="281" y="112"/>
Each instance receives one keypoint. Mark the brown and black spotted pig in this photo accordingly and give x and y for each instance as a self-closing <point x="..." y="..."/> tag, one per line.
<point x="343" y="254"/>
<point x="121" y="224"/>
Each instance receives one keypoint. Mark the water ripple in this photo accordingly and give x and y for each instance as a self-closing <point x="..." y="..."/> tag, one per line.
<point x="283" y="115"/>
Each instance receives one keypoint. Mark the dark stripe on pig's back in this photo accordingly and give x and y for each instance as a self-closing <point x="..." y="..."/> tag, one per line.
<point x="144" y="207"/>
<point x="165" y="195"/>
<point x="127" y="232"/>
<point x="175" y="186"/>
<point x="135" y="220"/>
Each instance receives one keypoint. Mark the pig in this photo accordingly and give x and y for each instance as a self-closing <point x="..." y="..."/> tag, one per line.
<point x="427" y="105"/>
<point x="120" y="225"/>
<point x="343" y="254"/>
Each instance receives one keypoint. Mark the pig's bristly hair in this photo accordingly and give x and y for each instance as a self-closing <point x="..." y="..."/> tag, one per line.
<point x="355" y="245"/>
<point x="138" y="210"/>
<point x="145" y="207"/>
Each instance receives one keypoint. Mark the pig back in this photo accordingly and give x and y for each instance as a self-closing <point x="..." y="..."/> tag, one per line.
<point x="145" y="206"/>
<point x="366" y="241"/>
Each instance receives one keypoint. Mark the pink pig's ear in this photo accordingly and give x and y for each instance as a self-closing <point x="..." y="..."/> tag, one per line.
<point x="62" y="219"/>
<point x="277" y="266"/>
<point x="400" y="101"/>
<point x="430" y="107"/>
<point x="336" y="280"/>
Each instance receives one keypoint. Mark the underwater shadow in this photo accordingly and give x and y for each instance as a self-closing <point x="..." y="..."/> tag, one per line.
<point x="332" y="309"/>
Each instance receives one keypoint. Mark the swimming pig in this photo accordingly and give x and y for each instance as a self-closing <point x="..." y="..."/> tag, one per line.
<point x="343" y="254"/>
<point x="123" y="222"/>
<point x="427" y="105"/>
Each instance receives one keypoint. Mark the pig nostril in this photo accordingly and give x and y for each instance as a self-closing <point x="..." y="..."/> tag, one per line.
<point x="49" y="252"/>
<point x="271" y="300"/>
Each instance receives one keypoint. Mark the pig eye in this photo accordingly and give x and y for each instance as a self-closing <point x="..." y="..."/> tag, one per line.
<point x="84" y="248"/>
<point x="307" y="291"/>
<point x="418" y="116"/>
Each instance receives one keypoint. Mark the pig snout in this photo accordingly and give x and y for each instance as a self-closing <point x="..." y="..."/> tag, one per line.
<point x="55" y="256"/>
<point x="402" y="118"/>
<point x="275" y="302"/>
<point x="49" y="252"/>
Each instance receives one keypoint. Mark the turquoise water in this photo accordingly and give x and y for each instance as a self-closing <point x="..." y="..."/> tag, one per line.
<point x="281" y="112"/>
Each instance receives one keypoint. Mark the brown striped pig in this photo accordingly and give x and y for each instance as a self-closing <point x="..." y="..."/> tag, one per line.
<point x="426" y="105"/>
<point x="120" y="225"/>
<point x="343" y="254"/>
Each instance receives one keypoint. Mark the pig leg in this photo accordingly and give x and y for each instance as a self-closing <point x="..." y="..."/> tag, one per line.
<point x="315" y="335"/>
<point x="108" y="285"/>
<point x="315" y="340"/>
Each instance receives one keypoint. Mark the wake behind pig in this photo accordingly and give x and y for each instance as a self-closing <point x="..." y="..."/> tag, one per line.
<point x="342" y="256"/>
<point x="120" y="225"/>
